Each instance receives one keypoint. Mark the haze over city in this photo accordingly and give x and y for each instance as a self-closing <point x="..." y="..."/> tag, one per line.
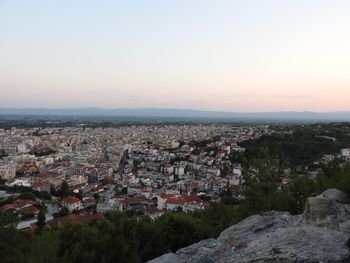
<point x="240" y="56"/>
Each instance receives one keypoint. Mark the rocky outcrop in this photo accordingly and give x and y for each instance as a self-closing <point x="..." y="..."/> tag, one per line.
<point x="320" y="234"/>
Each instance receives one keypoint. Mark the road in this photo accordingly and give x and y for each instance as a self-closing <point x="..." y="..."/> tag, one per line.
<point x="122" y="164"/>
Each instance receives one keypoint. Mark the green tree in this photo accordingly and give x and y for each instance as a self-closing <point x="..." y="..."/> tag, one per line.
<point x="44" y="248"/>
<point x="63" y="212"/>
<point x="13" y="243"/>
<point x="301" y="187"/>
<point x="181" y="230"/>
<point x="41" y="219"/>
<point x="64" y="190"/>
<point x="262" y="182"/>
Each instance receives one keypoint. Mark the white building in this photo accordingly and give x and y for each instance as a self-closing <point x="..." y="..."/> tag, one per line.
<point x="345" y="153"/>
<point x="7" y="171"/>
<point x="19" y="182"/>
<point x="179" y="171"/>
<point x="72" y="203"/>
<point x="111" y="205"/>
<point x="21" y="148"/>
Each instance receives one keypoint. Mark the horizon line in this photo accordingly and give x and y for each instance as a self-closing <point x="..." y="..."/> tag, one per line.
<point x="161" y="108"/>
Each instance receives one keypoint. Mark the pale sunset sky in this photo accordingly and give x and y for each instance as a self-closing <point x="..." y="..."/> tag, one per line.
<point x="234" y="55"/>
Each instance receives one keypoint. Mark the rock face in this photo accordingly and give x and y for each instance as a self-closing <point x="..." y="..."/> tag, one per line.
<point x="320" y="234"/>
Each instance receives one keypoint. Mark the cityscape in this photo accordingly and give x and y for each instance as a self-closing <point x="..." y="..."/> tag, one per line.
<point x="144" y="169"/>
<point x="188" y="131"/>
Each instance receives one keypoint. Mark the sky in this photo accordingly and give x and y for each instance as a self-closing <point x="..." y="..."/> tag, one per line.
<point x="232" y="55"/>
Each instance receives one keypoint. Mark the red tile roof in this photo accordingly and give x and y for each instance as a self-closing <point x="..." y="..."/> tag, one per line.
<point x="6" y="207"/>
<point x="70" y="200"/>
<point x="183" y="199"/>
<point x="166" y="196"/>
<point x="73" y="218"/>
<point x="46" y="175"/>
<point x="28" y="210"/>
<point x="40" y="184"/>
<point x="22" y="202"/>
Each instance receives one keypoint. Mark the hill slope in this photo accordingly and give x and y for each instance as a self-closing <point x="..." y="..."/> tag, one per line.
<point x="320" y="234"/>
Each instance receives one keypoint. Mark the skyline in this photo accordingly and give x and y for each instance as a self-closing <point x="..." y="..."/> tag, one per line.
<point x="226" y="56"/>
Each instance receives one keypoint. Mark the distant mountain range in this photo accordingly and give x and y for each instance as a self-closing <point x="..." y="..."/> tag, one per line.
<point x="179" y="113"/>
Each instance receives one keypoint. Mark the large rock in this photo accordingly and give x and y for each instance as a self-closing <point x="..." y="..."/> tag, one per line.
<point x="335" y="195"/>
<point x="318" y="208"/>
<point x="206" y="251"/>
<point x="329" y="209"/>
<point x="321" y="234"/>
<point x="256" y="224"/>
<point x="168" y="258"/>
<point x="297" y="244"/>
<point x="243" y="229"/>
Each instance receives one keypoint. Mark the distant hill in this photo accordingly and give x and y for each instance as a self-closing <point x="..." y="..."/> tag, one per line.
<point x="179" y="113"/>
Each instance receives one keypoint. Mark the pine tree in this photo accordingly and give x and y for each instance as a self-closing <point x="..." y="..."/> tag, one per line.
<point x="41" y="219"/>
<point x="64" y="191"/>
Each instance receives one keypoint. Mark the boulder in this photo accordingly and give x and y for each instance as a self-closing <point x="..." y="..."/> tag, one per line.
<point x="320" y="234"/>
<point x="167" y="258"/>
<point x="297" y="244"/>
<point x="317" y="208"/>
<point x="256" y="224"/>
<point x="242" y="229"/>
<point x="328" y="209"/>
<point x="206" y="251"/>
<point x="336" y="195"/>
